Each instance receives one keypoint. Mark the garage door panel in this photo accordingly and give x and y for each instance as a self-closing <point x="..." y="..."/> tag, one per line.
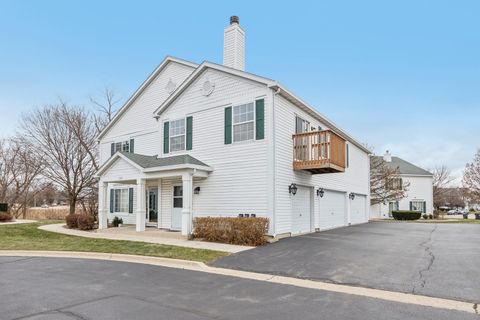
<point x="357" y="209"/>
<point x="332" y="210"/>
<point x="302" y="212"/>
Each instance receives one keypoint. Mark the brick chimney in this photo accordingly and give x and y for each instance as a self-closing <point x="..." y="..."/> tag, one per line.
<point x="234" y="45"/>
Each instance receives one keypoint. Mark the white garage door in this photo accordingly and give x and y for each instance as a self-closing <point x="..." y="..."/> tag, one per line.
<point x="332" y="210"/>
<point x="357" y="209"/>
<point x="302" y="213"/>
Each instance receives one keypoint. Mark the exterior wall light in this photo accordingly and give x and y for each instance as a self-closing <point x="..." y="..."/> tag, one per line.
<point x="320" y="192"/>
<point x="292" y="189"/>
<point x="351" y="195"/>
<point x="196" y="190"/>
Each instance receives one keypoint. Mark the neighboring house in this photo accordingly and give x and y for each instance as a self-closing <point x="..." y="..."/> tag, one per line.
<point x="419" y="194"/>
<point x="214" y="140"/>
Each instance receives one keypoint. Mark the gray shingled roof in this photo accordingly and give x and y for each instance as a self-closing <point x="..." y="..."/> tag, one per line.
<point x="152" y="161"/>
<point x="406" y="167"/>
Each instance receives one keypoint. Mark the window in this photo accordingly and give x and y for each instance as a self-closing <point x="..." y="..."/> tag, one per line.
<point x="301" y="125"/>
<point x="124" y="146"/>
<point x="243" y="122"/>
<point x="177" y="135"/>
<point x="392" y="206"/>
<point x="178" y="197"/>
<point x="120" y="200"/>
<point x="395" y="184"/>
<point x="418" y="206"/>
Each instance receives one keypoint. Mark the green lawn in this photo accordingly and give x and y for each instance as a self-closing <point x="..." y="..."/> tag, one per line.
<point x="29" y="237"/>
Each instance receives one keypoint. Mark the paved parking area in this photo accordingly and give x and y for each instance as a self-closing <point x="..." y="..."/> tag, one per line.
<point x="440" y="260"/>
<point x="65" y="289"/>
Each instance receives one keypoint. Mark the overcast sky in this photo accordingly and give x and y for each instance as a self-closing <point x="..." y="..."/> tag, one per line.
<point x="402" y="76"/>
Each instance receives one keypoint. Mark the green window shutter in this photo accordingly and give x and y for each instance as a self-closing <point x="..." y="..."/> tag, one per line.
<point x="112" y="149"/>
<point x="259" y="119"/>
<point x="411" y="205"/>
<point x="424" y="206"/>
<point x="228" y="125"/>
<point x="166" y="133"/>
<point x="112" y="192"/>
<point x="131" y="146"/>
<point x="130" y="200"/>
<point x="189" y="132"/>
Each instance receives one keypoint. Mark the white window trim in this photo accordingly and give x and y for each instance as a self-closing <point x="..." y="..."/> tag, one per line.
<point x="240" y="123"/>
<point x="178" y="135"/>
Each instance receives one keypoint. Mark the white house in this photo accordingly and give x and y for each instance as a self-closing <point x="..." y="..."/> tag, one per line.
<point x="419" y="194"/>
<point x="213" y="140"/>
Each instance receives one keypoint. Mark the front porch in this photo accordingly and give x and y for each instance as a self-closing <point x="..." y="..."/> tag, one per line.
<point x="160" y="190"/>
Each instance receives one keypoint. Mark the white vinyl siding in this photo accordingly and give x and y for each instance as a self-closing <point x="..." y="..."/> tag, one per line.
<point x="241" y="170"/>
<point x="137" y="122"/>
<point x="177" y="135"/>
<point x="355" y="178"/>
<point x="243" y="122"/>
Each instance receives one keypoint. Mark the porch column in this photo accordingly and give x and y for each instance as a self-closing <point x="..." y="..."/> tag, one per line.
<point x="141" y="209"/>
<point x="187" y="182"/>
<point x="102" y="205"/>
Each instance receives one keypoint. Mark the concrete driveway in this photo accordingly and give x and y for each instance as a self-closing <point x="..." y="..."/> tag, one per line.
<point x="440" y="260"/>
<point x="66" y="289"/>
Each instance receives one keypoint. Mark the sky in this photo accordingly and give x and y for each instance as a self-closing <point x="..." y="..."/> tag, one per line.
<point x="402" y="76"/>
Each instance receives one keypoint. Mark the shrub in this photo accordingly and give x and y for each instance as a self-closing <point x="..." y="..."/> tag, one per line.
<point x="3" y="207"/>
<point x="5" y="217"/>
<point x="85" y="221"/>
<point x="425" y="216"/>
<point x="430" y="216"/>
<point x="241" y="231"/>
<point x="406" y="215"/>
<point x="72" y="221"/>
<point x="471" y="210"/>
<point x="117" y="221"/>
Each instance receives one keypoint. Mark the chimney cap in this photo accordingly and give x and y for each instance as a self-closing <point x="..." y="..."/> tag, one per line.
<point x="234" y="19"/>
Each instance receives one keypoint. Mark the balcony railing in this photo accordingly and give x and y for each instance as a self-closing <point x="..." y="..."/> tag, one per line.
<point x="318" y="152"/>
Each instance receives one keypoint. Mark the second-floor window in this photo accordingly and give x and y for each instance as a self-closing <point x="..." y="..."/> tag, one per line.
<point x="243" y="122"/>
<point x="125" y="146"/>
<point x="301" y="125"/>
<point x="177" y="135"/>
<point x="395" y="184"/>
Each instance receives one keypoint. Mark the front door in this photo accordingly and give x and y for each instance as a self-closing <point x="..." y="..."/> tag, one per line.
<point x="152" y="213"/>
<point x="177" y="206"/>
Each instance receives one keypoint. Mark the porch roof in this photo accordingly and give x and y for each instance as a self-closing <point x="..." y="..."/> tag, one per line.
<point x="151" y="164"/>
<point x="153" y="161"/>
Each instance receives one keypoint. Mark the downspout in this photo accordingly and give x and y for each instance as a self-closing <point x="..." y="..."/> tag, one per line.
<point x="274" y="176"/>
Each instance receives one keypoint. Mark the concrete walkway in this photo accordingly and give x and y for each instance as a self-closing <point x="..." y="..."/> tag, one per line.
<point x="18" y="221"/>
<point x="385" y="295"/>
<point x="150" y="235"/>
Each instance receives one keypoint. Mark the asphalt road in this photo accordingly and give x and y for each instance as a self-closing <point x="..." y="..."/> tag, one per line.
<point x="61" y="289"/>
<point x="440" y="260"/>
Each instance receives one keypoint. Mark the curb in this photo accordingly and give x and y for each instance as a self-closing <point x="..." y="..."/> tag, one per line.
<point x="425" y="301"/>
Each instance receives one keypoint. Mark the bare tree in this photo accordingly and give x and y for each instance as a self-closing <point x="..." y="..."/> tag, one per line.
<point x="106" y="108"/>
<point x="386" y="184"/>
<point x="441" y="180"/>
<point x="20" y="169"/>
<point x="471" y="178"/>
<point x="53" y="132"/>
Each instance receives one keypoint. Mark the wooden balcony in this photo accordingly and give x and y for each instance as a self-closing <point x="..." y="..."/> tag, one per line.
<point x="319" y="152"/>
